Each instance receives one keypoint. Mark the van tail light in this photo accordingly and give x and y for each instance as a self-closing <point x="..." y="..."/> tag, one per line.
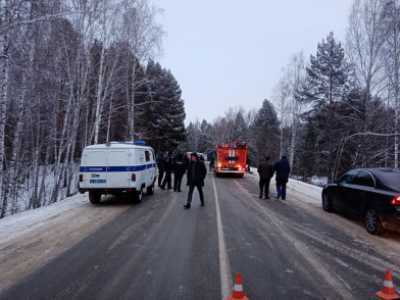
<point x="395" y="201"/>
<point x="133" y="177"/>
<point x="80" y="177"/>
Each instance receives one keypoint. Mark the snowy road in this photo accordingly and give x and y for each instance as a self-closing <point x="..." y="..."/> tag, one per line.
<point x="156" y="250"/>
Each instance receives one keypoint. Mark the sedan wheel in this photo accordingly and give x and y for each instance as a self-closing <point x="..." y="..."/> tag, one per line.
<point x="326" y="203"/>
<point x="372" y="222"/>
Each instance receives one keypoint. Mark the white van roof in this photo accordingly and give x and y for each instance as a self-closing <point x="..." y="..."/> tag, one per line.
<point x="117" y="145"/>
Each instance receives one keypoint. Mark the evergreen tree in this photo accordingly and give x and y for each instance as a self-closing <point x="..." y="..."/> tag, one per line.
<point x="239" y="128"/>
<point x="326" y="84"/>
<point x="161" y="119"/>
<point x="265" y="132"/>
<point x="327" y="75"/>
<point x="174" y="111"/>
<point x="205" y="139"/>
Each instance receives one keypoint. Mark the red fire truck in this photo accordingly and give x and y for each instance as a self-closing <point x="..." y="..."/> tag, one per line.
<point x="231" y="159"/>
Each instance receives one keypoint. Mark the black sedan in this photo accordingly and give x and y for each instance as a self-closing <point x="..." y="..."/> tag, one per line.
<point x="373" y="194"/>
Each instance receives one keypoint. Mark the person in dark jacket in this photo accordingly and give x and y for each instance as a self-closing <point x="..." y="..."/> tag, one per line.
<point x="196" y="173"/>
<point x="180" y="165"/>
<point x="248" y="164"/>
<point x="265" y="172"/>
<point x="212" y="162"/>
<point x="168" y="165"/>
<point x="282" y="170"/>
<point x="161" y="169"/>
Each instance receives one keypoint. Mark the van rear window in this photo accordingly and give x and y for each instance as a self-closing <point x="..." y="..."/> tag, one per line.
<point x="118" y="158"/>
<point x="94" y="158"/>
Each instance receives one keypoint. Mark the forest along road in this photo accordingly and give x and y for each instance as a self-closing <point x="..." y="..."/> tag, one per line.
<point x="158" y="250"/>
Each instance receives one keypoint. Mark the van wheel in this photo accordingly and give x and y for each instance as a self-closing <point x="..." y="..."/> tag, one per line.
<point x="94" y="197"/>
<point x="139" y="195"/>
<point x="326" y="203"/>
<point x="373" y="223"/>
<point x="150" y="190"/>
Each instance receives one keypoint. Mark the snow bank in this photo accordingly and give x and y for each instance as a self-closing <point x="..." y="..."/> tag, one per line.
<point x="304" y="191"/>
<point x="307" y="192"/>
<point x="24" y="222"/>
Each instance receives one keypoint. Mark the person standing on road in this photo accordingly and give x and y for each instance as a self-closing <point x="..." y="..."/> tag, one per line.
<point x="282" y="170"/>
<point x="248" y="165"/>
<point x="212" y="162"/>
<point x="180" y="166"/>
<point x="168" y="172"/>
<point x="196" y="174"/>
<point x="265" y="172"/>
<point x="161" y="169"/>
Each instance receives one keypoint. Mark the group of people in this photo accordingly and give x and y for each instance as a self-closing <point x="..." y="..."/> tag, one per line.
<point x="177" y="166"/>
<point x="266" y="171"/>
<point x="194" y="166"/>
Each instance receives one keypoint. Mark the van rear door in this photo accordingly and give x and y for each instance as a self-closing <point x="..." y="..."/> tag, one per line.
<point x="94" y="169"/>
<point x="119" y="163"/>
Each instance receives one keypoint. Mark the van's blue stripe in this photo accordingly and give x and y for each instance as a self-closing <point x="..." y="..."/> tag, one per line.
<point x="99" y="169"/>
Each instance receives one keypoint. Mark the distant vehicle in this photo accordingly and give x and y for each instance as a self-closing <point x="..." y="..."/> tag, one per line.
<point x="199" y="154"/>
<point x="231" y="159"/>
<point x="117" y="168"/>
<point x="373" y="194"/>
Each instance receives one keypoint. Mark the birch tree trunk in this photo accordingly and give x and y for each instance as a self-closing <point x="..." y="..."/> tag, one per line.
<point x="4" y="76"/>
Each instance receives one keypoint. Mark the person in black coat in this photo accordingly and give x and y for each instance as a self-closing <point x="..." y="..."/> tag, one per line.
<point x="168" y="165"/>
<point x="161" y="169"/>
<point x="282" y="170"/>
<point x="180" y="165"/>
<point x="265" y="172"/>
<point x="196" y="173"/>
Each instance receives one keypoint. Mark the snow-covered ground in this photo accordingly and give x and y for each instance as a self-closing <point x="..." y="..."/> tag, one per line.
<point x="20" y="202"/>
<point x="308" y="193"/>
<point x="31" y="238"/>
<point x="27" y="221"/>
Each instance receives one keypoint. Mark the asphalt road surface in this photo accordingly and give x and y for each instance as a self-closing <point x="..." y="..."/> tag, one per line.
<point x="158" y="250"/>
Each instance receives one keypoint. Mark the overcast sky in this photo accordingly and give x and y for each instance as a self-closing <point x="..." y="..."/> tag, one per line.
<point x="227" y="53"/>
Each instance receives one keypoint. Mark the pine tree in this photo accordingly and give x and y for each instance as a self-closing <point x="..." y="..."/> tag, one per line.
<point x="174" y="111"/>
<point x="205" y="139"/>
<point x="265" y="138"/>
<point x="161" y="120"/>
<point x="326" y="83"/>
<point x="239" y="130"/>
<point x="327" y="75"/>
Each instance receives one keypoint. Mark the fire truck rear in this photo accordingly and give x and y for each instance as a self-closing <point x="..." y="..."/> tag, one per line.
<point x="231" y="159"/>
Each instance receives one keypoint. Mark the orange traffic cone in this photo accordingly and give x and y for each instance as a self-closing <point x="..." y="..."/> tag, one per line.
<point x="237" y="289"/>
<point x="388" y="292"/>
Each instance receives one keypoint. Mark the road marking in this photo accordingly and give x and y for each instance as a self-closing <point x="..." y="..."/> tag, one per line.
<point x="302" y="249"/>
<point x="224" y="267"/>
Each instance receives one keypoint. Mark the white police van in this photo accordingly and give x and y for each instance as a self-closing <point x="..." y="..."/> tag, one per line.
<point x="116" y="168"/>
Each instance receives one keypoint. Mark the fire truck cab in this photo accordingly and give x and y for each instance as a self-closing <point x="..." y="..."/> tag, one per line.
<point x="231" y="159"/>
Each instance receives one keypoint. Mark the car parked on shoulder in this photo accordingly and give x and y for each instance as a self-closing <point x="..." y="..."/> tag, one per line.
<point x="373" y="194"/>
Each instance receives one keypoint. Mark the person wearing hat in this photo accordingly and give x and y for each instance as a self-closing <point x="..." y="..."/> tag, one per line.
<point x="196" y="174"/>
